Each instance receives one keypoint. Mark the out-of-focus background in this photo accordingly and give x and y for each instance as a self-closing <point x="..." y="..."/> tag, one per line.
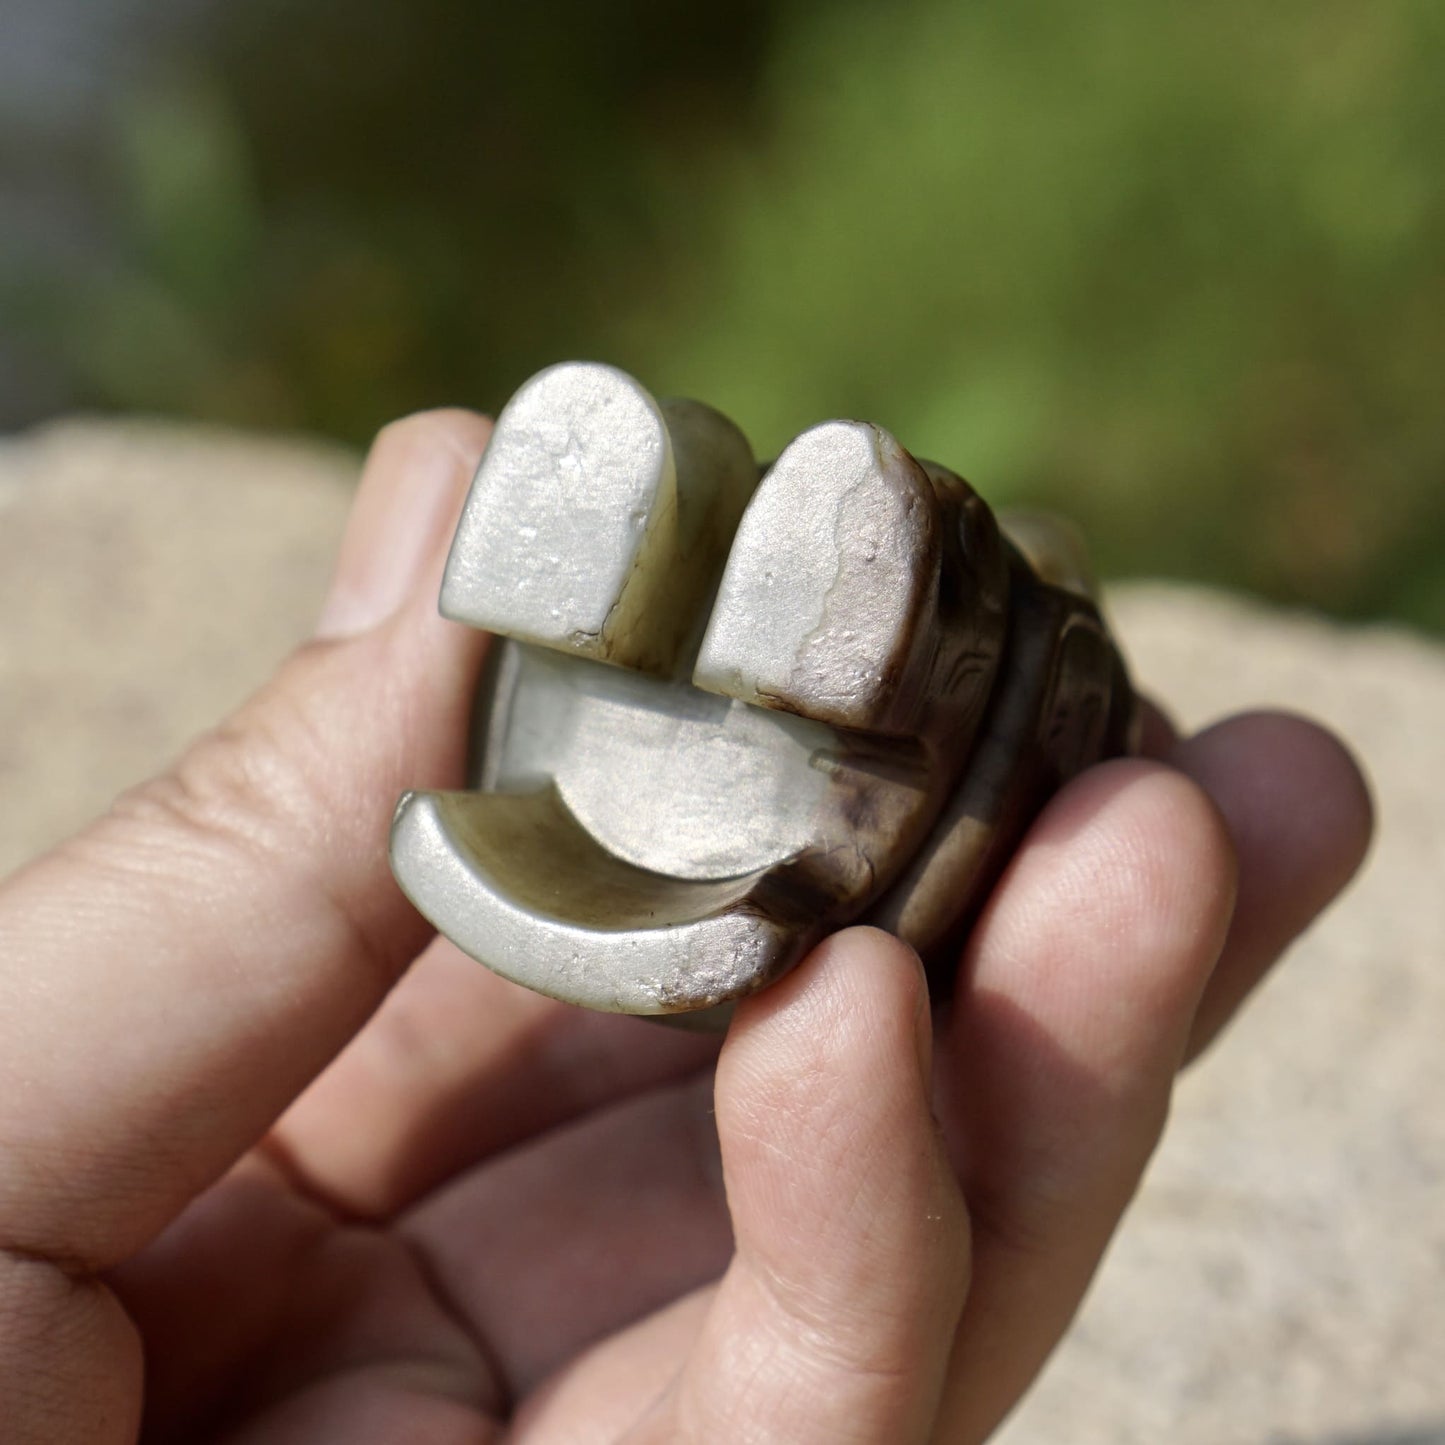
<point x="1180" y="269"/>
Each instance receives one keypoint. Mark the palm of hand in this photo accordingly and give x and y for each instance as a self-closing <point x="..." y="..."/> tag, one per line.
<point x="483" y="1184"/>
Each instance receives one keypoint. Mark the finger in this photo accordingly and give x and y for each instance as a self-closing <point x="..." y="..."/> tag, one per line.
<point x="373" y="1405"/>
<point x="1157" y="733"/>
<point x="70" y="1359"/>
<point x="401" y="522"/>
<point x="307" y="1301"/>
<point x="563" y="1241"/>
<point x="599" y="1394"/>
<point x="457" y="1065"/>
<point x="1299" y="812"/>
<point x="174" y="975"/>
<point x="833" y="1320"/>
<point x="535" y="1255"/>
<point x="1080" y="984"/>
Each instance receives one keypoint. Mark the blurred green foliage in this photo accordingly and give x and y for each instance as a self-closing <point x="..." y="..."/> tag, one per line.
<point x="1176" y="269"/>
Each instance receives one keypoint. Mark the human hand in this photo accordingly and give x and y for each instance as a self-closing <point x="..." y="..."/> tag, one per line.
<point x="258" y="1162"/>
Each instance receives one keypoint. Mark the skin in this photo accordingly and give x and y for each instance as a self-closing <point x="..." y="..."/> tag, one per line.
<point x="278" y="1167"/>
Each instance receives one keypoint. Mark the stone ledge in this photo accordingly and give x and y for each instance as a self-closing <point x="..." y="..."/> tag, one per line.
<point x="1280" y="1276"/>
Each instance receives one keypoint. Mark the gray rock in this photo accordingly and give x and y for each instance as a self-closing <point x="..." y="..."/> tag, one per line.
<point x="150" y="577"/>
<point x="1281" y="1277"/>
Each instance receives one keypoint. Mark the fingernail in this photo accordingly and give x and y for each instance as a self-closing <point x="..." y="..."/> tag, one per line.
<point x="408" y="499"/>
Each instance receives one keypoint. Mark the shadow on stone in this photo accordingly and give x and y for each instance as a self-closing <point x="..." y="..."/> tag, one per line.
<point x="1428" y="1434"/>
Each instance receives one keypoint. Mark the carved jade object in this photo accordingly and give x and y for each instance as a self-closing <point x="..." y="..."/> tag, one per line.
<point x="731" y="709"/>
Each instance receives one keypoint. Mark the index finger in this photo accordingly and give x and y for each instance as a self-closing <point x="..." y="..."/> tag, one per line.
<point x="173" y="976"/>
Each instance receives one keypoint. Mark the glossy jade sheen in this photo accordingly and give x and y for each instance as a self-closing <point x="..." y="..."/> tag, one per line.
<point x="733" y="708"/>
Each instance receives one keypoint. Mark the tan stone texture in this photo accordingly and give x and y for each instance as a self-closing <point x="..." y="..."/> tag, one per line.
<point x="1282" y="1275"/>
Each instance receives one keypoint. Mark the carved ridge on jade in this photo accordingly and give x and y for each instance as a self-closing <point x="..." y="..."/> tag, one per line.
<point x="732" y="708"/>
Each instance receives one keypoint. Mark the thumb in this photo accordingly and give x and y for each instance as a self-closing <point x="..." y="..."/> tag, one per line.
<point x="834" y="1321"/>
<point x="172" y="977"/>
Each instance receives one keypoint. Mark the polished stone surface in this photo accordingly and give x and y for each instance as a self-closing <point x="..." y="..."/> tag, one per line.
<point x="728" y="713"/>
